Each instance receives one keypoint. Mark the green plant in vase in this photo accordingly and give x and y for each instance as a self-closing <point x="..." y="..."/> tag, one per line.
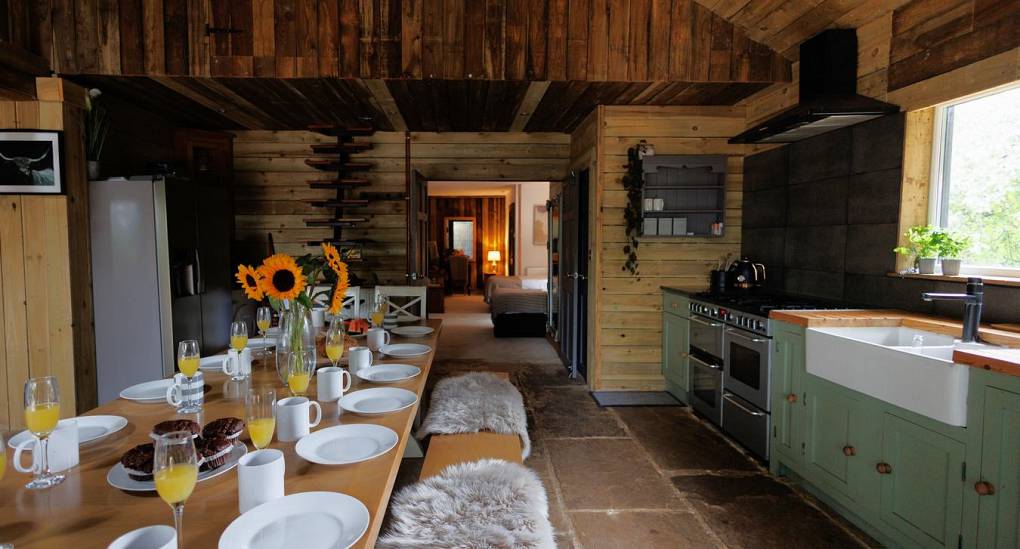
<point x="923" y="247"/>
<point x="950" y="252"/>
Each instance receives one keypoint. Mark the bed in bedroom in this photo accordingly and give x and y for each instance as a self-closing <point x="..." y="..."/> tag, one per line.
<point x="517" y="306"/>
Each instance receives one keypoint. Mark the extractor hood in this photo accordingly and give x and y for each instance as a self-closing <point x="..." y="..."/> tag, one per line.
<point x="828" y="94"/>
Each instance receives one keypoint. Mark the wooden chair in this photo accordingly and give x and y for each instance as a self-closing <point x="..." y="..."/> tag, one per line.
<point x="416" y="297"/>
<point x="460" y="275"/>
<point x="352" y="303"/>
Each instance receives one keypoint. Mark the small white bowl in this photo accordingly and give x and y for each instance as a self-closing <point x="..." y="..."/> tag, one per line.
<point x="150" y="537"/>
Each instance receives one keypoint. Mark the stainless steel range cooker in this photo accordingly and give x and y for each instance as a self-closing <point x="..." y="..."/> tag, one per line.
<point x="731" y="361"/>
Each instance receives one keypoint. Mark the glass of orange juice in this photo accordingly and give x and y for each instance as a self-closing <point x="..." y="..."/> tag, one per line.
<point x="260" y="416"/>
<point x="175" y="469"/>
<point x="299" y="374"/>
<point x="263" y="320"/>
<point x="238" y="335"/>
<point x="42" y="412"/>
<point x="335" y="340"/>
<point x="3" y="457"/>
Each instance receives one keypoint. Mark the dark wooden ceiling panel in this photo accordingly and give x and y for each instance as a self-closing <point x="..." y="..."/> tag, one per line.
<point x="150" y="95"/>
<point x="457" y="105"/>
<point x="566" y="104"/>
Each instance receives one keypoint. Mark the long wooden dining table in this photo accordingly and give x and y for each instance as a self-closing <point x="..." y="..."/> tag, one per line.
<point x="85" y="511"/>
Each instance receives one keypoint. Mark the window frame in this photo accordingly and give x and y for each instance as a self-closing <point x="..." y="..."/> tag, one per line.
<point x="938" y="191"/>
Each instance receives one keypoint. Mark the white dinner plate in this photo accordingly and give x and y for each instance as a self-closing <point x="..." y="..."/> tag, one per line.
<point x="377" y="401"/>
<point x="405" y="350"/>
<point x="148" y="392"/>
<point x="212" y="363"/>
<point x="412" y="331"/>
<point x="89" y="428"/>
<point x="311" y="520"/>
<point x="344" y="444"/>
<point x="388" y="373"/>
<point x="259" y="343"/>
<point x="118" y="477"/>
<point x="407" y="319"/>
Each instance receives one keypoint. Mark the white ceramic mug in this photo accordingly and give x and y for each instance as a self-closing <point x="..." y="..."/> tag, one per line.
<point x="237" y="365"/>
<point x="150" y="537"/>
<point x="318" y="317"/>
<point x="358" y="358"/>
<point x="62" y="449"/>
<point x="332" y="383"/>
<point x="184" y="394"/>
<point x="292" y="421"/>
<point x="376" y="338"/>
<point x="259" y="478"/>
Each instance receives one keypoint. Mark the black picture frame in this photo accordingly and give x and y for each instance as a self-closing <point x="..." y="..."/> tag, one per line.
<point x="30" y="162"/>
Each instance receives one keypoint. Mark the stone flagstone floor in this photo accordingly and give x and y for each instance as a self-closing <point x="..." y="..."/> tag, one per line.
<point x="646" y="477"/>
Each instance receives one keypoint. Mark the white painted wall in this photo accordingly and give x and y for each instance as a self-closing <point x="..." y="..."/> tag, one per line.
<point x="529" y="254"/>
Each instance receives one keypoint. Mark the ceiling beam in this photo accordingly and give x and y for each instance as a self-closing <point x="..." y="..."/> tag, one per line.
<point x="381" y="97"/>
<point x="180" y="86"/>
<point x="532" y="97"/>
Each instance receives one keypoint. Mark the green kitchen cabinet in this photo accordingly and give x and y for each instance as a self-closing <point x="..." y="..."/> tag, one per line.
<point x="997" y="485"/>
<point x="786" y="394"/>
<point x="922" y="478"/>
<point x="841" y="441"/>
<point x="676" y="344"/>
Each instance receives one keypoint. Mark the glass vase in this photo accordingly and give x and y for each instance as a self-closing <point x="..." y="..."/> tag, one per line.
<point x="296" y="340"/>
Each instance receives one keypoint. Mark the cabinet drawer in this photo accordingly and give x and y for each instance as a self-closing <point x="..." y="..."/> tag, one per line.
<point x="675" y="304"/>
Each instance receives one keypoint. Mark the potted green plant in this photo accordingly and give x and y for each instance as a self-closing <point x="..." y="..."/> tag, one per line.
<point x="97" y="124"/>
<point x="950" y="248"/>
<point x="923" y="247"/>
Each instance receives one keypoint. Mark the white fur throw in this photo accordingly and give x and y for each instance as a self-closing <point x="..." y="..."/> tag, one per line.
<point x="491" y="504"/>
<point x="475" y="402"/>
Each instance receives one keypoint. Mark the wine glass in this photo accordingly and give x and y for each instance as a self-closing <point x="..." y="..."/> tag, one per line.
<point x="299" y="372"/>
<point x="175" y="469"/>
<point x="260" y="416"/>
<point x="3" y="456"/>
<point x="42" y="412"/>
<point x="335" y="340"/>
<point x="188" y="360"/>
<point x="263" y="320"/>
<point x="379" y="313"/>
<point x="238" y="335"/>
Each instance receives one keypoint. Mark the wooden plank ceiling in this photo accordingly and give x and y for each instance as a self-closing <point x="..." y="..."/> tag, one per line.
<point x="783" y="24"/>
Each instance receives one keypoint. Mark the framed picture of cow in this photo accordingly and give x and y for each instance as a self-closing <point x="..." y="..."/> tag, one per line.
<point x="30" y="162"/>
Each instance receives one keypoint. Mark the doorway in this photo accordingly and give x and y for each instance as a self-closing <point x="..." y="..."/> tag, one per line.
<point x="573" y="273"/>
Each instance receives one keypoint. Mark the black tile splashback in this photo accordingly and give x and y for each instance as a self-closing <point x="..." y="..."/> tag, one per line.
<point x="822" y="214"/>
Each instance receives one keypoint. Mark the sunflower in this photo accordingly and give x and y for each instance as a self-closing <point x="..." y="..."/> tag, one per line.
<point x="281" y="277"/>
<point x="249" y="279"/>
<point x="332" y="256"/>
<point x="340" y="290"/>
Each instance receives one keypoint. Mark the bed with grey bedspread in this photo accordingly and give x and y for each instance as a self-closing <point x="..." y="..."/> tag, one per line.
<point x="517" y="312"/>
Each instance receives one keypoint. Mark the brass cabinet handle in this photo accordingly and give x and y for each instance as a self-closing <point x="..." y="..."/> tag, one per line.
<point x="883" y="468"/>
<point x="984" y="488"/>
<point x="791" y="398"/>
<point x="849" y="451"/>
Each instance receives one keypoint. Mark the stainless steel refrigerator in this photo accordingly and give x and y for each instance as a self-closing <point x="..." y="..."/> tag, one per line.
<point x="161" y="274"/>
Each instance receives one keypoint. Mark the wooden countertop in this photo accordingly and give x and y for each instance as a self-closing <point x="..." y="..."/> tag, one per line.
<point x="1006" y="361"/>
<point x="85" y="511"/>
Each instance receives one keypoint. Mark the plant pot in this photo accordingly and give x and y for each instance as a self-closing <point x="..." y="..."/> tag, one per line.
<point x="93" y="168"/>
<point x="951" y="267"/>
<point x="926" y="265"/>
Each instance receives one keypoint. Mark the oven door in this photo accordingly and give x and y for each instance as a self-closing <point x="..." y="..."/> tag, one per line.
<point x="707" y="336"/>
<point x="746" y="423"/>
<point x="706" y="389"/>
<point x="746" y="361"/>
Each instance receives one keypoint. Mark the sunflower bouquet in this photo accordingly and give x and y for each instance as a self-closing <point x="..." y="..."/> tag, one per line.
<point x="283" y="279"/>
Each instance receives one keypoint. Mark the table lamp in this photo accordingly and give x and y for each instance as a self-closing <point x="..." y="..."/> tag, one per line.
<point x="493" y="257"/>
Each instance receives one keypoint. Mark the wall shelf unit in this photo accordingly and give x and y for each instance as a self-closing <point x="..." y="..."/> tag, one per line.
<point x="683" y="196"/>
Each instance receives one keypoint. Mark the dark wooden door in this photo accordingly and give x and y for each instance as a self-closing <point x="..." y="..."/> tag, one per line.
<point x="417" y="230"/>
<point x="574" y="273"/>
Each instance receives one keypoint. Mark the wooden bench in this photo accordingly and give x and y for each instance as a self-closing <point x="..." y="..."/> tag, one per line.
<point x="446" y="450"/>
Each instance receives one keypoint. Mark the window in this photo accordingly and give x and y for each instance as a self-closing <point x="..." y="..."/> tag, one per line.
<point x="977" y="179"/>
<point x="462" y="237"/>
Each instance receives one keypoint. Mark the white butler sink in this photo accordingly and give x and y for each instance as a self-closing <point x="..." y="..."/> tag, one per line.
<point x="909" y="368"/>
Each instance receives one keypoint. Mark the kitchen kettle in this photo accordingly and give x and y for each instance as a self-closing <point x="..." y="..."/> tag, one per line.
<point x="745" y="274"/>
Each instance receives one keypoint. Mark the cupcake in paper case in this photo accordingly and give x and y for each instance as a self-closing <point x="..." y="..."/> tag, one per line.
<point x="227" y="427"/>
<point x="213" y="452"/>
<point x="138" y="462"/>
<point x="174" y="425"/>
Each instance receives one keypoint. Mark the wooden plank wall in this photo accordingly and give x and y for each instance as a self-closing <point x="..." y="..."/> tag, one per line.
<point x="626" y="308"/>
<point x="602" y="40"/>
<point x="270" y="176"/>
<point x="45" y="269"/>
<point x="489" y="213"/>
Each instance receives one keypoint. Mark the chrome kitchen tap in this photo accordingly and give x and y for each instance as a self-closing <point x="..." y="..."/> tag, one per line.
<point x="972" y="302"/>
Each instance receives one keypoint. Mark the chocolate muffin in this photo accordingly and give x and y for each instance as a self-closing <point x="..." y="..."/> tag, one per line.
<point x="213" y="452"/>
<point x="172" y="425"/>
<point x="138" y="462"/>
<point x="227" y="427"/>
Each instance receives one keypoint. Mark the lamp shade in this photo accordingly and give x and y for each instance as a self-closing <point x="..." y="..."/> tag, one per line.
<point x="493" y="255"/>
